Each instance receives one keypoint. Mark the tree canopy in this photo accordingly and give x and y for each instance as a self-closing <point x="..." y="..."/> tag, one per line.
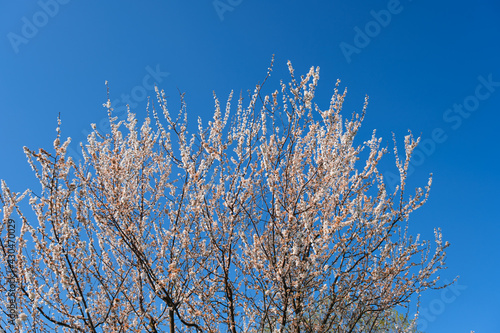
<point x="268" y="220"/>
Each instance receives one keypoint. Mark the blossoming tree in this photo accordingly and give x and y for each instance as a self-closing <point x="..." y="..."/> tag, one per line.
<point x="265" y="221"/>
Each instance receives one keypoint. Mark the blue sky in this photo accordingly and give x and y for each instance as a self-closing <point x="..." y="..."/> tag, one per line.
<point x="431" y="67"/>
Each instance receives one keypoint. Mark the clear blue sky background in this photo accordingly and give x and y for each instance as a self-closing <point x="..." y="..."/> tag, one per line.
<point x="415" y="65"/>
